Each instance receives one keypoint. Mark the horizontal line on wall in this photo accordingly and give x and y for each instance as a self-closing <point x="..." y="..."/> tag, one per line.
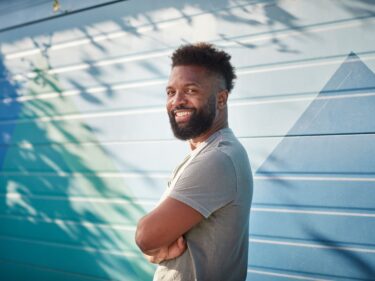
<point x="86" y="41"/>
<point x="87" y="174"/>
<point x="316" y="178"/>
<point x="164" y="175"/>
<point x="127" y="254"/>
<point x="101" y="63"/>
<point x="24" y="144"/>
<point x="91" y="90"/>
<point x="311" y="245"/>
<point x="283" y="275"/>
<point x="312" y="212"/>
<point x="64" y="223"/>
<point x="27" y="145"/>
<point x="150" y="110"/>
<point x="49" y="269"/>
<point x="152" y="202"/>
<point x="304" y="64"/>
<point x="80" y="199"/>
<point x="289" y="32"/>
<point x="311" y="135"/>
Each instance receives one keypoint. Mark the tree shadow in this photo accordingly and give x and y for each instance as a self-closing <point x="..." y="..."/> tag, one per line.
<point x="53" y="200"/>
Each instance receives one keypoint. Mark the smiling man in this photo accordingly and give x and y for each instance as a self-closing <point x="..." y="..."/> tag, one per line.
<point x="199" y="231"/>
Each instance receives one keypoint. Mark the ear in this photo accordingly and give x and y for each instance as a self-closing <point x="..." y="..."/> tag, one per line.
<point x="222" y="98"/>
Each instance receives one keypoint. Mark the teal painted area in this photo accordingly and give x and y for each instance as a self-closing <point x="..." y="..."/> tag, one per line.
<point x="31" y="230"/>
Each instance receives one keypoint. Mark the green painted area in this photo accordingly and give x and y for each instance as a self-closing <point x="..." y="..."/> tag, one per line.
<point x="57" y="218"/>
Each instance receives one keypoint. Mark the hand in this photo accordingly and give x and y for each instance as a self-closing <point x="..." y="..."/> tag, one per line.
<point x="176" y="249"/>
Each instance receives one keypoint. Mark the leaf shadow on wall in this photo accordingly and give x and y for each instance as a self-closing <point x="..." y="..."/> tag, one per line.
<point x="60" y="217"/>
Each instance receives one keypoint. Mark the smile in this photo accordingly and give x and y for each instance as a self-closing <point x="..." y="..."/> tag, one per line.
<point x="182" y="115"/>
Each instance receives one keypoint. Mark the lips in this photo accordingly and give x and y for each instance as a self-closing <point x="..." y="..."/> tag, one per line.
<point x="182" y="115"/>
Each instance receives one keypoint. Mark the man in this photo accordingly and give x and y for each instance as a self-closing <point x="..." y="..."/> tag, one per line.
<point x="199" y="230"/>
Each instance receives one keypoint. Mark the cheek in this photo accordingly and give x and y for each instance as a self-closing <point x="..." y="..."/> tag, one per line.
<point x="168" y="105"/>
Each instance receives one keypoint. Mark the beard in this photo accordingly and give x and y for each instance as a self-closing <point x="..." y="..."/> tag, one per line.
<point x="200" y="120"/>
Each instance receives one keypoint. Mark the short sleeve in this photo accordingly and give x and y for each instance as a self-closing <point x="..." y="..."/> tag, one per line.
<point x="208" y="183"/>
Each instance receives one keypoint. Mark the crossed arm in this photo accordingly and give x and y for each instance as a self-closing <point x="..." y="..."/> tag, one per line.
<point x="159" y="234"/>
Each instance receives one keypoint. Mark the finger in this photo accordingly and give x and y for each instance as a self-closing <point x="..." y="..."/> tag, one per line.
<point x="181" y="242"/>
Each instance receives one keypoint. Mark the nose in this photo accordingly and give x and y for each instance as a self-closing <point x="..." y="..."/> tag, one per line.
<point x="179" y="98"/>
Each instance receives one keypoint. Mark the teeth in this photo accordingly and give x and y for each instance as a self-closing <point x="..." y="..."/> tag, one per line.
<point x="183" y="113"/>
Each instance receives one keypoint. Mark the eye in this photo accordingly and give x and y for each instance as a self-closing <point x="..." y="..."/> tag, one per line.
<point x="170" y="93"/>
<point x="191" y="91"/>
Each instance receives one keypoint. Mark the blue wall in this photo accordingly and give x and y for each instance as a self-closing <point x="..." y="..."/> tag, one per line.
<point x="86" y="149"/>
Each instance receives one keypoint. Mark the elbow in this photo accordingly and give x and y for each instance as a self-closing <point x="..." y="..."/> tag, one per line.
<point x="142" y="239"/>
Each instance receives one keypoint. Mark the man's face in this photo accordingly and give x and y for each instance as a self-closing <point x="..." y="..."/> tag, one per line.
<point x="191" y="100"/>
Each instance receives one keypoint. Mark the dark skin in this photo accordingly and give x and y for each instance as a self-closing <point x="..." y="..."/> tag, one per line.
<point x="160" y="233"/>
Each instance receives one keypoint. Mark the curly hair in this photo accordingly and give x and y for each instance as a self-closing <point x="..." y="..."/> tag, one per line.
<point x="208" y="56"/>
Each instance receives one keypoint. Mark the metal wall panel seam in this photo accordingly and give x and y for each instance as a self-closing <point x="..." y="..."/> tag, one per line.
<point x="161" y="175"/>
<point x="28" y="145"/>
<point x="86" y="199"/>
<point x="310" y="212"/>
<point x="87" y="174"/>
<point x="127" y="254"/>
<point x="65" y="222"/>
<point x="153" y="202"/>
<point x="48" y="269"/>
<point x="91" y="90"/>
<point x="310" y="245"/>
<point x="283" y="275"/>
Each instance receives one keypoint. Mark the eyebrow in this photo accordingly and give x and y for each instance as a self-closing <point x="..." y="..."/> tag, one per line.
<point x="185" y="85"/>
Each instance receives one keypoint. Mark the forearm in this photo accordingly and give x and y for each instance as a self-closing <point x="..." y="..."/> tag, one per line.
<point x="172" y="251"/>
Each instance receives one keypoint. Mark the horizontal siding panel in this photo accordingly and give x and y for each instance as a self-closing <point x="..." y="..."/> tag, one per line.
<point x="123" y="126"/>
<point x="349" y="231"/>
<point x="331" y="262"/>
<point x="346" y="154"/>
<point x="77" y="209"/>
<point x="12" y="271"/>
<point x="94" y="158"/>
<point x="114" y="238"/>
<point x="339" y="155"/>
<point x="264" y="274"/>
<point x="139" y="185"/>
<point x="317" y="190"/>
<point x="76" y="261"/>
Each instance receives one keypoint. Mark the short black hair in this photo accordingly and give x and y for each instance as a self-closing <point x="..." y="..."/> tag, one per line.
<point x="208" y="56"/>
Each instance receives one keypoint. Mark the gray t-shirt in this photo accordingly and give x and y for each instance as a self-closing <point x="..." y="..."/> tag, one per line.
<point x="218" y="184"/>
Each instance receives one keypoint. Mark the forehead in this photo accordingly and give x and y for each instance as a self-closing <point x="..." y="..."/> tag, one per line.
<point x="189" y="74"/>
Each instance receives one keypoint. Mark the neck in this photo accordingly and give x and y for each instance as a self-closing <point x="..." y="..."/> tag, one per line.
<point x="195" y="142"/>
